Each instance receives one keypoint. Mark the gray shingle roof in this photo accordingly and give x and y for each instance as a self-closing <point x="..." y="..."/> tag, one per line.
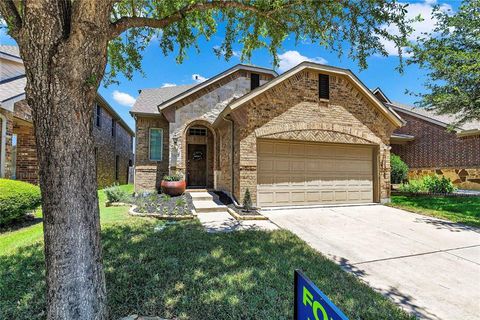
<point x="149" y="99"/>
<point x="443" y="118"/>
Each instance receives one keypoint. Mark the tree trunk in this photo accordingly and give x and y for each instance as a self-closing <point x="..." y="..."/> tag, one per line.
<point x="65" y="53"/>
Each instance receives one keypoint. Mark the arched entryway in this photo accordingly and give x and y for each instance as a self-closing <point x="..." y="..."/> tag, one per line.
<point x="199" y="155"/>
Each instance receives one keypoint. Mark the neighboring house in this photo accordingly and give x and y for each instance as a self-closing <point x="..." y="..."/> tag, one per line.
<point x="314" y="134"/>
<point x="429" y="144"/>
<point x="18" y="157"/>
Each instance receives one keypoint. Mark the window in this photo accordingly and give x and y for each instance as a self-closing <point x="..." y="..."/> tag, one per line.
<point x="98" y="115"/>
<point x="254" y="80"/>
<point x="95" y="151"/>
<point x="117" y="164"/>
<point x="114" y="127"/>
<point x="197" y="132"/>
<point x="156" y="144"/>
<point x="323" y="86"/>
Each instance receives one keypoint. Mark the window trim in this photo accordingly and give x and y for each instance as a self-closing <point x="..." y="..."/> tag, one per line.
<point x="150" y="145"/>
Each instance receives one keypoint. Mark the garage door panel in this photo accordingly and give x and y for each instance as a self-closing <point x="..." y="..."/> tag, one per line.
<point x="296" y="173"/>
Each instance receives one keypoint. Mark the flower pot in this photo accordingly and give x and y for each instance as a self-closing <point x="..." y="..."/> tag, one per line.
<point x="173" y="188"/>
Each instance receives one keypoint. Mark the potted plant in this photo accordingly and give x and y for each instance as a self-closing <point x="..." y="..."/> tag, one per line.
<point x="173" y="185"/>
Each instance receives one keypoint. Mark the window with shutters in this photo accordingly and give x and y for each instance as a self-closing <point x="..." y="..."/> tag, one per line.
<point x="254" y="80"/>
<point x="324" y="86"/>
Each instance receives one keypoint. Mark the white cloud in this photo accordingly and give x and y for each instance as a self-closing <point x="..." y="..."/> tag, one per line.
<point x="168" y="84"/>
<point x="292" y="58"/>
<point x="198" y="78"/>
<point x="123" y="98"/>
<point x="424" y="9"/>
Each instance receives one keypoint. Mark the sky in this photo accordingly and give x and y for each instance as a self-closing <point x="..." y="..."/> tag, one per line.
<point x="163" y="70"/>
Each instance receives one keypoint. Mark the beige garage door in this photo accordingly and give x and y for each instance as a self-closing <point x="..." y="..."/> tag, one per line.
<point x="303" y="173"/>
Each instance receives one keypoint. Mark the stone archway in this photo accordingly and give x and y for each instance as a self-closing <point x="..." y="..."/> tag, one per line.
<point x="199" y="150"/>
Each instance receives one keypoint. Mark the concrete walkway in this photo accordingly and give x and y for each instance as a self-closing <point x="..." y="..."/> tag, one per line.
<point x="430" y="267"/>
<point x="215" y="218"/>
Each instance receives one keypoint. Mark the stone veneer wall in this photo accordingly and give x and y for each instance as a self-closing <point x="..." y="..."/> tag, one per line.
<point x="292" y="110"/>
<point x="8" y="141"/>
<point x="205" y="106"/>
<point x="463" y="177"/>
<point x="148" y="174"/>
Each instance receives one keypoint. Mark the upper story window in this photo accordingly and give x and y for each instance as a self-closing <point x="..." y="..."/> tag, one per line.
<point x="324" y="86"/>
<point x="197" y="132"/>
<point x="156" y="144"/>
<point x="254" y="80"/>
<point x="98" y="115"/>
<point x="114" y="127"/>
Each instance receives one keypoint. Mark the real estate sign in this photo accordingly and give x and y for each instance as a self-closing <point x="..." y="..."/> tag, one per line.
<point x="311" y="303"/>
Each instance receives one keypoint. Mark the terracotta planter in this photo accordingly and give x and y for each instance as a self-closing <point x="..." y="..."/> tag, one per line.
<point x="173" y="188"/>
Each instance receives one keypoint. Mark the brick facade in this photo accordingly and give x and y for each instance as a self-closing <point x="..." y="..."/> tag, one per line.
<point x="435" y="150"/>
<point x="19" y="123"/>
<point x="292" y="110"/>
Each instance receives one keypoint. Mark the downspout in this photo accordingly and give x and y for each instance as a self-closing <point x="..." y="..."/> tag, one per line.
<point x="3" y="145"/>
<point x="232" y="126"/>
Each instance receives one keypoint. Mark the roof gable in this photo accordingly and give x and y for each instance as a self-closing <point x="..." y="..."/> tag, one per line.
<point x="149" y="99"/>
<point x="212" y="81"/>
<point x="387" y="112"/>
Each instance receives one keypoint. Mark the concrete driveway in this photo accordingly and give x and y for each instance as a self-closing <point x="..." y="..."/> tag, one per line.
<point x="430" y="267"/>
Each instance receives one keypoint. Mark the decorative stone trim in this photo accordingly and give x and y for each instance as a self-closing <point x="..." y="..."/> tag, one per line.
<point x="327" y="130"/>
<point x="245" y="217"/>
<point x="161" y="216"/>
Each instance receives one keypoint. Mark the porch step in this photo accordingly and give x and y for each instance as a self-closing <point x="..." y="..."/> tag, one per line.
<point x="205" y="206"/>
<point x="201" y="196"/>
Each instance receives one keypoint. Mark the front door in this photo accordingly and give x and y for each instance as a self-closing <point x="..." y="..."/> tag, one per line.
<point x="197" y="165"/>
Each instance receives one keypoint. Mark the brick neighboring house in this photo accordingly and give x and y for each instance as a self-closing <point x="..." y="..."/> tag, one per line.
<point x="314" y="134"/>
<point x="430" y="145"/>
<point x="18" y="158"/>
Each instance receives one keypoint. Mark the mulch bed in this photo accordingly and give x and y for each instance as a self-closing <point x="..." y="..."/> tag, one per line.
<point x="227" y="201"/>
<point x="163" y="204"/>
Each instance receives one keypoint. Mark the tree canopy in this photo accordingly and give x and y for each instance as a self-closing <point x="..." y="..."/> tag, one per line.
<point x="352" y="27"/>
<point x="451" y="54"/>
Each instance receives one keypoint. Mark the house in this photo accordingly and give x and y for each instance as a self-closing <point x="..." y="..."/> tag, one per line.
<point x="313" y="135"/>
<point x="18" y="158"/>
<point x="430" y="144"/>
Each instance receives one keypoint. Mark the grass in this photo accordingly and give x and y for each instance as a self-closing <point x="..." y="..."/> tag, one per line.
<point x="464" y="210"/>
<point x="184" y="272"/>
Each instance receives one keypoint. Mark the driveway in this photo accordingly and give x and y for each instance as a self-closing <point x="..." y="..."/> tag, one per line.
<point x="430" y="267"/>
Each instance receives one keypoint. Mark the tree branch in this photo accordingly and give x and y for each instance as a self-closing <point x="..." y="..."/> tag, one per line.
<point x="125" y="23"/>
<point x="11" y="15"/>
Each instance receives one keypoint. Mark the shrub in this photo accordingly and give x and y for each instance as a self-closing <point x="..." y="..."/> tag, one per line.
<point x="16" y="199"/>
<point x="173" y="177"/>
<point x="115" y="194"/>
<point x="399" y="169"/>
<point x="247" y="201"/>
<point x="435" y="184"/>
<point x="413" y="186"/>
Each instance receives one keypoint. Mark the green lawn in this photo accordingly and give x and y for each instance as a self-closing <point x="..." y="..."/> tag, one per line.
<point x="465" y="210"/>
<point x="183" y="272"/>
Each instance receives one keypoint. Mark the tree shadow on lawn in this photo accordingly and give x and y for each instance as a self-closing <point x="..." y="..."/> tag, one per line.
<point x="184" y="272"/>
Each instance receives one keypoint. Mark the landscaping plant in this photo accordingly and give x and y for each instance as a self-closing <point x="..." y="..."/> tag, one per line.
<point x="16" y="199"/>
<point x="399" y="169"/>
<point x="116" y="194"/>
<point x="247" y="201"/>
<point x="435" y="184"/>
<point x="173" y="177"/>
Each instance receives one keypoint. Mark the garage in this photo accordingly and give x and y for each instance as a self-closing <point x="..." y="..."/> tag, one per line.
<point x="291" y="173"/>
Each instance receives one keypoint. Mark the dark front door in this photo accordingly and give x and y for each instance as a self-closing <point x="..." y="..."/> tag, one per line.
<point x="197" y="165"/>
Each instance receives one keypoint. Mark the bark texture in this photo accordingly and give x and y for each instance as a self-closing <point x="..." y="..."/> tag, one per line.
<point x="64" y="51"/>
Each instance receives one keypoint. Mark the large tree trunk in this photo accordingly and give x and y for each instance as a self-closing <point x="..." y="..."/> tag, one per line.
<point x="64" y="54"/>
